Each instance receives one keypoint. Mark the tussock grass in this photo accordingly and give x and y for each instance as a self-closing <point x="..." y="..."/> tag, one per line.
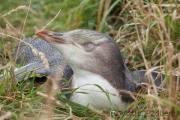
<point x="146" y="31"/>
<point x="151" y="36"/>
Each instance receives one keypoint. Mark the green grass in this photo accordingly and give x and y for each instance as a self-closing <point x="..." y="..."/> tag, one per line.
<point x="143" y="30"/>
<point x="42" y="12"/>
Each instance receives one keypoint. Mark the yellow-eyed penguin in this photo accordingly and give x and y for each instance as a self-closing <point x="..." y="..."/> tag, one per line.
<point x="95" y="60"/>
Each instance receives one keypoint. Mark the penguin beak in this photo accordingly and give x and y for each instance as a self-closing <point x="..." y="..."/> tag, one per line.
<point x="51" y="37"/>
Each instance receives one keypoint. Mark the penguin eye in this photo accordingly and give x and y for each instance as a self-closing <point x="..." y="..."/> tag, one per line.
<point x="88" y="46"/>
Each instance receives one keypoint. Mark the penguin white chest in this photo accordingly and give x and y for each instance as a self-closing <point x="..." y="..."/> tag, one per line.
<point x="90" y="92"/>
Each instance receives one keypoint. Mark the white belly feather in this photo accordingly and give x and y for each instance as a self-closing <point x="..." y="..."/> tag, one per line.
<point x="95" y="97"/>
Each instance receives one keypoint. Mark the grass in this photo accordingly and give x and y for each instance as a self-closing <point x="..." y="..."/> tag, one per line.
<point x="147" y="33"/>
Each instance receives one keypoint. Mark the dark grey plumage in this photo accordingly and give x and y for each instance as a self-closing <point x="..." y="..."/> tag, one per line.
<point x="54" y="57"/>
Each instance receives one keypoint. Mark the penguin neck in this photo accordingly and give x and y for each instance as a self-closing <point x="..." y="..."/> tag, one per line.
<point x="82" y="77"/>
<point x="92" y="84"/>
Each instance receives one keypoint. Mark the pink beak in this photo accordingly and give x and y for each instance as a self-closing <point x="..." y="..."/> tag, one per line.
<point x="51" y="37"/>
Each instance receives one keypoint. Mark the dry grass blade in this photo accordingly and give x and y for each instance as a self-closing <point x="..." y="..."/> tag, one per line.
<point x="5" y="116"/>
<point x="23" y="28"/>
<point x="13" y="10"/>
<point x="52" y="19"/>
<point x="47" y="113"/>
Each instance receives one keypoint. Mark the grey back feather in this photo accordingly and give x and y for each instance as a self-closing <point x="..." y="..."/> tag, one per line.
<point x="54" y="57"/>
<point x="25" y="52"/>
